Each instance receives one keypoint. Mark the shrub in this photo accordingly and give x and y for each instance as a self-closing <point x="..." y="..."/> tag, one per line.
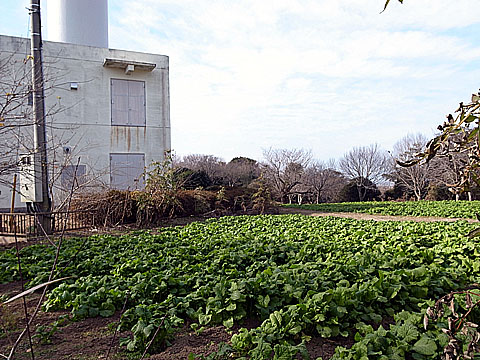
<point x="349" y="192"/>
<point x="108" y="208"/>
<point x="438" y="192"/>
<point x="192" y="179"/>
<point x="164" y="196"/>
<point x="394" y="193"/>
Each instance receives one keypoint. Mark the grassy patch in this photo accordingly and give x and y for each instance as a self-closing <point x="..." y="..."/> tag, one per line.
<point x="447" y="208"/>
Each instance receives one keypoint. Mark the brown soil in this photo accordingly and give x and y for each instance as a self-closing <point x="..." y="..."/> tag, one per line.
<point x="83" y="340"/>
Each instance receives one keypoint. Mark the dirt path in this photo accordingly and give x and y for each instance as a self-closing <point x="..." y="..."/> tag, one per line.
<point x="376" y="217"/>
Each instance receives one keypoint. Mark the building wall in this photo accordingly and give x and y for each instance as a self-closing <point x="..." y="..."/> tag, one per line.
<point x="80" y="124"/>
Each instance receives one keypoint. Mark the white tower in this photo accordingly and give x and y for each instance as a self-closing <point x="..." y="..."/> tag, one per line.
<point x="83" y="22"/>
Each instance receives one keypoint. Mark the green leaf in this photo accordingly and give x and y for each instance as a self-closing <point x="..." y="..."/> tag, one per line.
<point x="324" y="331"/>
<point x="107" y="312"/>
<point x="419" y="272"/>
<point x="375" y="317"/>
<point x="228" y="323"/>
<point x="425" y="346"/>
<point x="236" y="294"/>
<point x="408" y="332"/>
<point x="131" y="346"/>
<point x="231" y="307"/>
<point x="93" y="312"/>
<point x="204" y="319"/>
<point x="264" y="301"/>
<point x="148" y="330"/>
<point x="276" y="319"/>
<point x="295" y="330"/>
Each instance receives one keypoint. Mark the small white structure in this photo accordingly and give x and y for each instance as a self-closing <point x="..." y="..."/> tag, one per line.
<point x="110" y="113"/>
<point x="82" y="22"/>
<point x="30" y="187"/>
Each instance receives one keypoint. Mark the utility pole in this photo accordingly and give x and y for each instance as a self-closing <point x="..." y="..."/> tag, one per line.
<point x="39" y="129"/>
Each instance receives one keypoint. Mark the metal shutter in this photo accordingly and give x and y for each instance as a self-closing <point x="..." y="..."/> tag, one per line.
<point x="126" y="171"/>
<point x="136" y="103"/>
<point x="137" y="168"/>
<point x="128" y="102"/>
<point x="119" y="102"/>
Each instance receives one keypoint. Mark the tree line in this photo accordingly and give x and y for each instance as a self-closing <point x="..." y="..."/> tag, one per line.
<point x="364" y="173"/>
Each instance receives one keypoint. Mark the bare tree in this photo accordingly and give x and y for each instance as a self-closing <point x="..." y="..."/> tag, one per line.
<point x="213" y="166"/>
<point x="15" y="113"/>
<point x="363" y="165"/>
<point x="319" y="177"/>
<point x="447" y="169"/>
<point x="241" y="171"/>
<point x="454" y="154"/>
<point x="414" y="179"/>
<point x="331" y="193"/>
<point x="284" y="170"/>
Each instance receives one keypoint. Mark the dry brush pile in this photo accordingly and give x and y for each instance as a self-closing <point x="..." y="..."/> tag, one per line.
<point x="151" y="207"/>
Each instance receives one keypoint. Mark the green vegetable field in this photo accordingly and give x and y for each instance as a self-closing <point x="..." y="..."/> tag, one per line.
<point x="302" y="276"/>
<point x="446" y="208"/>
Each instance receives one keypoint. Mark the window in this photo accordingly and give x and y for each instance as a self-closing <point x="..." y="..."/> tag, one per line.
<point x="69" y="175"/>
<point x="128" y="102"/>
<point x="126" y="171"/>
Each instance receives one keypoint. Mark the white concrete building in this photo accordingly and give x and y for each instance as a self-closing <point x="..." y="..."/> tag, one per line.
<point x="110" y="110"/>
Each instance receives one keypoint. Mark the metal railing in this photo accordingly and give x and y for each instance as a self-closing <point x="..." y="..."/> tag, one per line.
<point x="26" y="224"/>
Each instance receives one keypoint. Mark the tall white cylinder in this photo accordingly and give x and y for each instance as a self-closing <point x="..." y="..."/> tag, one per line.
<point x="83" y="22"/>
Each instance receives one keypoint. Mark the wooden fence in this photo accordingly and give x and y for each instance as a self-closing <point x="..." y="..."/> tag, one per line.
<point x="27" y="224"/>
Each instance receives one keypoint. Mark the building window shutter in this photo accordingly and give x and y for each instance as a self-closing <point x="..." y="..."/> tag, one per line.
<point x="126" y="171"/>
<point x="136" y="103"/>
<point x="128" y="102"/>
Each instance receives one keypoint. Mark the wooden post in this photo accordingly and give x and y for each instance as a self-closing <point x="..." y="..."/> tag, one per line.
<point x="12" y="205"/>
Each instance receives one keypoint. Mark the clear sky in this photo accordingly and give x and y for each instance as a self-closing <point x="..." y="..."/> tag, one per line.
<point x="325" y="75"/>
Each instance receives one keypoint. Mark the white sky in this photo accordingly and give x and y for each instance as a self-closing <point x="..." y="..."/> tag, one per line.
<point x="325" y="75"/>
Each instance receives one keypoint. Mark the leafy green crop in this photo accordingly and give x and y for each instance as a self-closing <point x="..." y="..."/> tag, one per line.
<point x="301" y="276"/>
<point x="446" y="208"/>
